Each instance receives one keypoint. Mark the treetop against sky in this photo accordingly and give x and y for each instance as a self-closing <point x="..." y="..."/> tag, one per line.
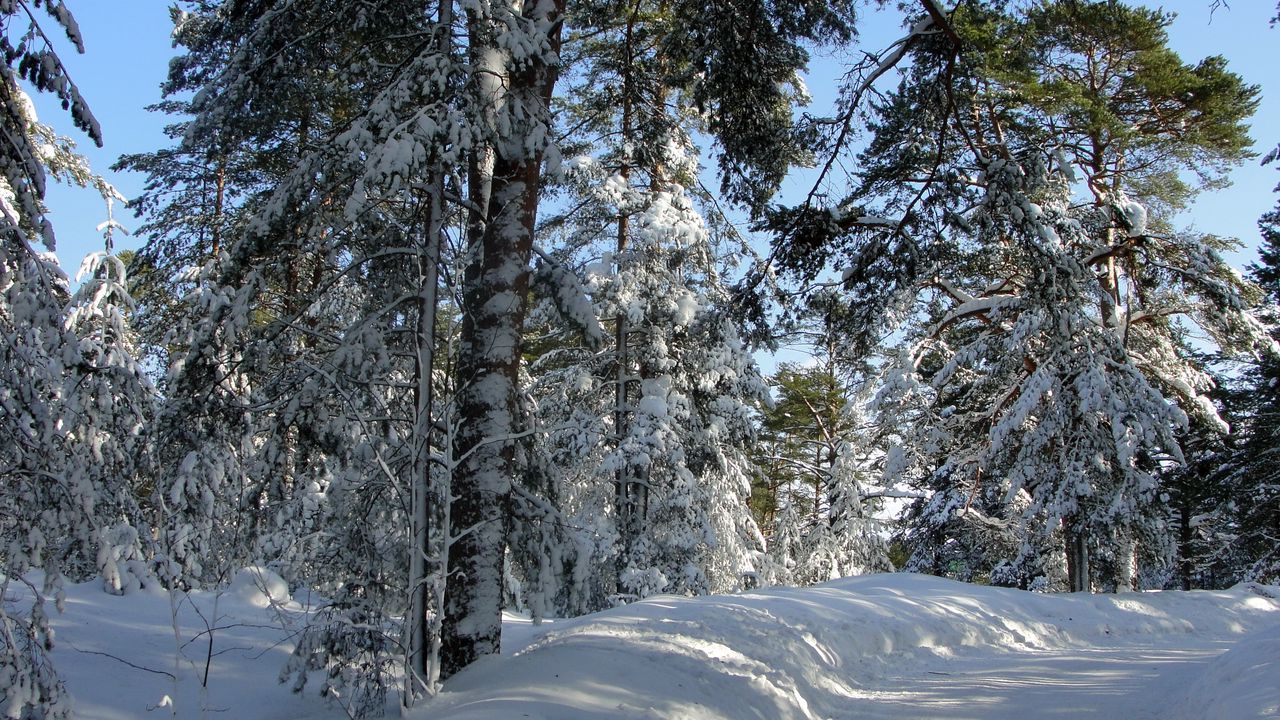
<point x="128" y="48"/>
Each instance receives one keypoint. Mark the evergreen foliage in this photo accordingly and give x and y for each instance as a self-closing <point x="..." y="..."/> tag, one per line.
<point x="299" y="412"/>
<point x="665" y="408"/>
<point x="72" y="399"/>
<point x="818" y="452"/>
<point x="1010" y="217"/>
<point x="1251" y="511"/>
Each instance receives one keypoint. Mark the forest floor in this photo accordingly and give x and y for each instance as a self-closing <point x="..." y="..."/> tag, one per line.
<point x="878" y="647"/>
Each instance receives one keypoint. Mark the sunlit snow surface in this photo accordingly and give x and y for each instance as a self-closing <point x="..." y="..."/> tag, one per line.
<point x="883" y="646"/>
<point x="894" y="646"/>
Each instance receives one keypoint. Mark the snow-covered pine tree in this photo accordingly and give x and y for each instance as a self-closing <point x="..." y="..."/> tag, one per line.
<point x="33" y="348"/>
<point x="785" y="542"/>
<point x="833" y="533"/>
<point x="1256" y="483"/>
<point x="515" y="54"/>
<point x="307" y="370"/>
<point x="750" y="115"/>
<point x="1200" y="502"/>
<point x="1251" y="513"/>
<point x="1025" y="191"/>
<point x="638" y="409"/>
<point x="198" y="189"/>
<point x="62" y="486"/>
<point x="197" y="195"/>
<point x="823" y="453"/>
<point x="196" y="200"/>
<point x="685" y="408"/>
<point x="853" y="540"/>
<point x="1053" y="404"/>
<point x="686" y="416"/>
<point x="108" y="400"/>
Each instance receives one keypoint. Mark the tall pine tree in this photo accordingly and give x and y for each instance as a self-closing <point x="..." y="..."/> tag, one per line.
<point x="1011" y="215"/>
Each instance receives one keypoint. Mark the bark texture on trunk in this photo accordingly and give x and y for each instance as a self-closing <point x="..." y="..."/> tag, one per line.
<point x="1077" y="560"/>
<point x="494" y="304"/>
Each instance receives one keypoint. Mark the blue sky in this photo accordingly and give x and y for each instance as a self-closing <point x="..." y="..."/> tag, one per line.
<point x="127" y="50"/>
<point x="128" y="47"/>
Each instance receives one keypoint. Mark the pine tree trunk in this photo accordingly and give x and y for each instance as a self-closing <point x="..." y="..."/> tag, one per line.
<point x="629" y="524"/>
<point x="1077" y="543"/>
<point x="494" y="303"/>
<point x="1126" y="564"/>
<point x="623" y="501"/>
<point x="1185" y="562"/>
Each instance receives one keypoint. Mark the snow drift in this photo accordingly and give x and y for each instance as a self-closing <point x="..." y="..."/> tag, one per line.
<point x="824" y="651"/>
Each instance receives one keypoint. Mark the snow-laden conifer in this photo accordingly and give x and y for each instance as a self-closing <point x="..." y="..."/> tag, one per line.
<point x="665" y="413"/>
<point x="108" y="401"/>
<point x="71" y="400"/>
<point x="302" y="388"/>
<point x="1029" y="258"/>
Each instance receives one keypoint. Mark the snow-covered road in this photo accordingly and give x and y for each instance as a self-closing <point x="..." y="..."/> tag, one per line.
<point x="1128" y="683"/>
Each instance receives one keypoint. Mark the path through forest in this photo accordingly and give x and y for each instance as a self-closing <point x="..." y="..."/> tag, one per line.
<point x="1101" y="682"/>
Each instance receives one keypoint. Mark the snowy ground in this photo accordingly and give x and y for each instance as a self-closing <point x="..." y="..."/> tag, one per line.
<point x="886" y="646"/>
<point x="895" y="646"/>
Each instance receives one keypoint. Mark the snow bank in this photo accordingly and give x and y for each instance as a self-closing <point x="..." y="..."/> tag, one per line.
<point x="1243" y="682"/>
<point x="809" y="653"/>
<point x="260" y="587"/>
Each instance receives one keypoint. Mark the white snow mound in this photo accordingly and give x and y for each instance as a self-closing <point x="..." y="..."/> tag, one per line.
<point x="260" y="587"/>
<point x="1243" y="682"/>
<point x="839" y="650"/>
